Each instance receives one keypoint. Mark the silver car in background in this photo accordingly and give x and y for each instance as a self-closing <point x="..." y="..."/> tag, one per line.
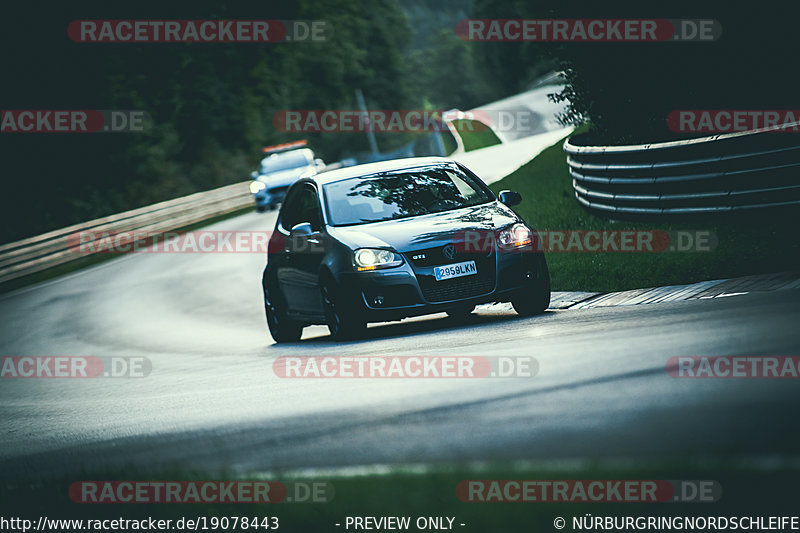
<point x="282" y="165"/>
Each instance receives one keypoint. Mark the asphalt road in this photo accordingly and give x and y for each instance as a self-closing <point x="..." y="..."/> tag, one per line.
<point x="213" y="401"/>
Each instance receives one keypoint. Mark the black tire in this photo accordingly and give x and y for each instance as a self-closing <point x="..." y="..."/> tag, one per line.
<point x="460" y="313"/>
<point x="343" y="322"/>
<point x="261" y="208"/>
<point x="281" y="328"/>
<point x="534" y="298"/>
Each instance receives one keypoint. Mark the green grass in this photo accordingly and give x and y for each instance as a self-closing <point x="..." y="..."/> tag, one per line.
<point x="475" y="134"/>
<point x="754" y="244"/>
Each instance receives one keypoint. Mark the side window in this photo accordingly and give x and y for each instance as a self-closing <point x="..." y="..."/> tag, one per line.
<point x="291" y="209"/>
<point x="310" y="211"/>
<point x="300" y="206"/>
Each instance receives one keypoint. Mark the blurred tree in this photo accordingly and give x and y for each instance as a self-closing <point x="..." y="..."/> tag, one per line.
<point x="211" y="104"/>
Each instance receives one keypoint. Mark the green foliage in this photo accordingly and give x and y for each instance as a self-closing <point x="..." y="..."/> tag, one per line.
<point x="448" y="74"/>
<point x="626" y="90"/>
<point x="212" y="105"/>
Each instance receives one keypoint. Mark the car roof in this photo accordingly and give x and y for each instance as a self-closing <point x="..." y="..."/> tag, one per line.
<point x="392" y="165"/>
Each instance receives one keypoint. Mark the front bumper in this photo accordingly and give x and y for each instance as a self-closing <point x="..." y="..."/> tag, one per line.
<point x="408" y="290"/>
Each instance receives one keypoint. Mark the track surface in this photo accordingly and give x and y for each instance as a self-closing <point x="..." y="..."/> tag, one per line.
<point x="212" y="400"/>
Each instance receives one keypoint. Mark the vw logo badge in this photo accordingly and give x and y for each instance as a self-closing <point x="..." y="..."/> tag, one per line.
<point x="449" y="251"/>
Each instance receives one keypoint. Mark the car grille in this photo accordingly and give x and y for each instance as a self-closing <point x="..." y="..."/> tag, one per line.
<point x="455" y="288"/>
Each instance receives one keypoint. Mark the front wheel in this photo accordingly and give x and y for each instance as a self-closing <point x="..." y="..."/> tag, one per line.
<point x="281" y="328"/>
<point x="534" y="297"/>
<point x="343" y="323"/>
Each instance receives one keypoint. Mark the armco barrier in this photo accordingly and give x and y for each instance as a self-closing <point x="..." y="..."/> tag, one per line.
<point x="35" y="254"/>
<point x="722" y="173"/>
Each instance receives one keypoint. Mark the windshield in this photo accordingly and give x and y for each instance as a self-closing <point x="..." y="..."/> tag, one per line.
<point x="285" y="161"/>
<point x="400" y="195"/>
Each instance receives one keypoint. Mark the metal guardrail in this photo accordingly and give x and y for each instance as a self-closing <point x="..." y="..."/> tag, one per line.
<point x="55" y="248"/>
<point x="717" y="174"/>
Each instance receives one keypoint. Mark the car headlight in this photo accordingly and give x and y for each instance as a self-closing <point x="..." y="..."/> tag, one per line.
<point x="373" y="258"/>
<point x="517" y="236"/>
<point x="257" y="186"/>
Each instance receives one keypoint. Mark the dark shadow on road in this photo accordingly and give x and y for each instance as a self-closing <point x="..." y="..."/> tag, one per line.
<point x="416" y="326"/>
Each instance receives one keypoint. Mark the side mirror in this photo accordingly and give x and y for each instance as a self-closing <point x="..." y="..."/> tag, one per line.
<point x="302" y="229"/>
<point x="254" y="175"/>
<point x="510" y="198"/>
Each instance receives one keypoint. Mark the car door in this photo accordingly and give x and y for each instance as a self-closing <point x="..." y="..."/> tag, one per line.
<point x="303" y="250"/>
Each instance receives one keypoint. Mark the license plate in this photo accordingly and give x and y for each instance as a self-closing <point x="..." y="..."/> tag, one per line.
<point x="456" y="270"/>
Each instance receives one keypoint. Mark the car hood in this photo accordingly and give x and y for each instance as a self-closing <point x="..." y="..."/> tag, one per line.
<point x="426" y="231"/>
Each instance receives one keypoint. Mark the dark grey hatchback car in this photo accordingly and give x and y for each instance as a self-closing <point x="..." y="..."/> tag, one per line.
<point x="390" y="240"/>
